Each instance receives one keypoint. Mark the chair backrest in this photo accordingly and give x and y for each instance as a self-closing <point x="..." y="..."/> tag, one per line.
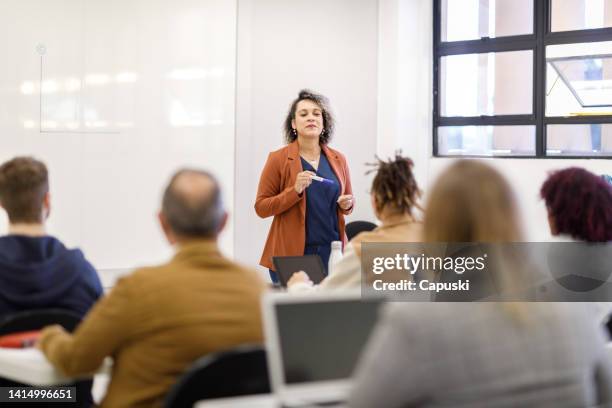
<point x="355" y="227"/>
<point x="37" y="319"/>
<point x="240" y="371"/>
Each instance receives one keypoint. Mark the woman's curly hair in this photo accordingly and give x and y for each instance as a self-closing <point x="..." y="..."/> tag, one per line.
<point x="580" y="204"/>
<point x="329" y="123"/>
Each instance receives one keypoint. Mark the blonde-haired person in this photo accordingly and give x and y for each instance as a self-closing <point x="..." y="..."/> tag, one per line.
<point x="481" y="354"/>
<point x="394" y="196"/>
<point x="471" y="202"/>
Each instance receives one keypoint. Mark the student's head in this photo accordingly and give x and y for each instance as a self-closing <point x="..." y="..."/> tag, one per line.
<point x="394" y="188"/>
<point x="24" y="190"/>
<point x="309" y="117"/>
<point x="579" y="204"/>
<point x="471" y="202"/>
<point x="192" y="207"/>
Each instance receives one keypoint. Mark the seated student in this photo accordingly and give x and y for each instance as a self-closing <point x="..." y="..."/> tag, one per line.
<point x="579" y="206"/>
<point x="158" y="320"/>
<point x="481" y="354"/>
<point x="36" y="270"/>
<point x="394" y="195"/>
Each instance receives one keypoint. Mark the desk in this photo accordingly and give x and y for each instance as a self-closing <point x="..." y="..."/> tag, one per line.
<point x="29" y="366"/>
<point x="256" y="401"/>
<point x="251" y="401"/>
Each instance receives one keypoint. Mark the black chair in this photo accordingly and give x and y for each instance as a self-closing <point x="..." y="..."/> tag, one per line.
<point x="36" y="320"/>
<point x="240" y="371"/>
<point x="355" y="227"/>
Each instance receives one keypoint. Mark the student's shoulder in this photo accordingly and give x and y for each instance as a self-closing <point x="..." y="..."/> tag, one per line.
<point x="141" y="278"/>
<point x="419" y="316"/>
<point x="581" y="316"/>
<point x="147" y="273"/>
<point x="73" y="258"/>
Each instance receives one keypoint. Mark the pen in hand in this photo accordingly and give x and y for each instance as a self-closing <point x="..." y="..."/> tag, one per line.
<point x="322" y="180"/>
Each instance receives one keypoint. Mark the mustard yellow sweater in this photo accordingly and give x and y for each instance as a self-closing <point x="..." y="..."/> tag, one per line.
<point x="159" y="320"/>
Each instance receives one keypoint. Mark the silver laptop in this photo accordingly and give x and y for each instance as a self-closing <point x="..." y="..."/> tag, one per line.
<point x="313" y="343"/>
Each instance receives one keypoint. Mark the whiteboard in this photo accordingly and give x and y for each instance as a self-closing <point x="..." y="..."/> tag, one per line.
<point x="114" y="96"/>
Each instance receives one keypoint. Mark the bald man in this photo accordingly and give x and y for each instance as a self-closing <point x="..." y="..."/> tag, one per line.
<point x="158" y="320"/>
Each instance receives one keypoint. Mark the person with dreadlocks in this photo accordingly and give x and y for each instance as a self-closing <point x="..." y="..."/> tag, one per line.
<point x="394" y="196"/>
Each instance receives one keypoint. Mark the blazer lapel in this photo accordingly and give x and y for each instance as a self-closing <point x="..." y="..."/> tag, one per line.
<point x="295" y="167"/>
<point x="334" y="162"/>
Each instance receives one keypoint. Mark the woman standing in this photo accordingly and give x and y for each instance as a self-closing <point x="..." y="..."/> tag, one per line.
<point x="308" y="212"/>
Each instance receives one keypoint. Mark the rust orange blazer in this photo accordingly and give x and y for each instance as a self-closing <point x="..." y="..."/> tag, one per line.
<point x="276" y="196"/>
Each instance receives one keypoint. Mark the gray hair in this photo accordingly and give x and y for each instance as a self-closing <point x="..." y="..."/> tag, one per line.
<point x="197" y="213"/>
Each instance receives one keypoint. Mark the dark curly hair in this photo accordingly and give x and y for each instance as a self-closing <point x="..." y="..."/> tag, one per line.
<point x="580" y="204"/>
<point x="329" y="123"/>
<point x="394" y="184"/>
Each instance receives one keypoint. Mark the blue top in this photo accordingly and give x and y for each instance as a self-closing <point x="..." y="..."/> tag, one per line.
<point x="41" y="273"/>
<point x="321" y="206"/>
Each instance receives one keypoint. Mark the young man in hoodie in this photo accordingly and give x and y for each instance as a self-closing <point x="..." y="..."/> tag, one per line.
<point x="36" y="270"/>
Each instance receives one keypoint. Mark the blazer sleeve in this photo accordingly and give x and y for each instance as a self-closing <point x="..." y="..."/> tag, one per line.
<point x="105" y="329"/>
<point x="271" y="198"/>
<point x="348" y="189"/>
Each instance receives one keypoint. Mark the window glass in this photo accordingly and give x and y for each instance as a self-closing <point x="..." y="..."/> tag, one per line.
<point x="474" y="19"/>
<point x="568" y="15"/>
<point x="579" y="140"/>
<point x="486" y="140"/>
<point x="487" y="84"/>
<point x="579" y="79"/>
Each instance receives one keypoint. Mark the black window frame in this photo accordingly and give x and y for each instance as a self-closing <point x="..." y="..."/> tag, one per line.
<point x="537" y="42"/>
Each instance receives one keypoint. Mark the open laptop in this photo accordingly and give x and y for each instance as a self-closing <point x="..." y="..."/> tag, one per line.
<point x="313" y="343"/>
<point x="288" y="265"/>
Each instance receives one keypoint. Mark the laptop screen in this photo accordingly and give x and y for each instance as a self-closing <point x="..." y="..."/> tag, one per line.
<point x="322" y="341"/>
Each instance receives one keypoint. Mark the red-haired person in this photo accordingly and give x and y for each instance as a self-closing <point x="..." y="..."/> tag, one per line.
<point x="579" y="204"/>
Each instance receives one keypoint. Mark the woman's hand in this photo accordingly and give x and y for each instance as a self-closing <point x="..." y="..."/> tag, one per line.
<point x="345" y="201"/>
<point x="303" y="180"/>
<point x="299" y="277"/>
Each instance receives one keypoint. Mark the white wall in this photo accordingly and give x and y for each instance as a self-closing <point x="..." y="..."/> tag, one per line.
<point x="131" y="91"/>
<point x="284" y="46"/>
<point x="405" y="82"/>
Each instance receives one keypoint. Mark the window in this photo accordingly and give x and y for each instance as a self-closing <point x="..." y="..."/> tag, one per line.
<point x="523" y="78"/>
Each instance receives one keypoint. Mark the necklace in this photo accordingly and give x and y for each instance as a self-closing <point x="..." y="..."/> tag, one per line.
<point x="311" y="161"/>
